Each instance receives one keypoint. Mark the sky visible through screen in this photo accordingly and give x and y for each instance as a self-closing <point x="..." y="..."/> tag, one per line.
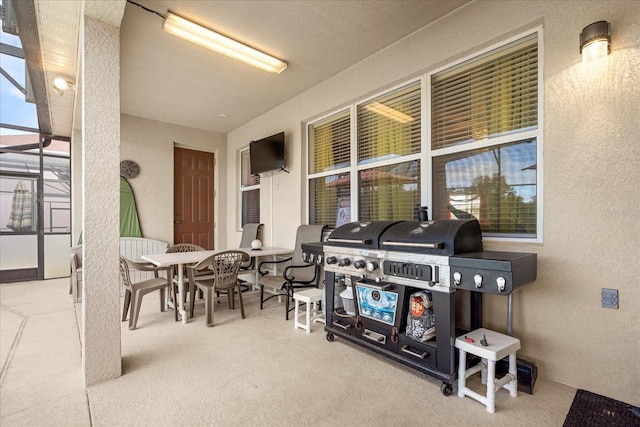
<point x="14" y="110"/>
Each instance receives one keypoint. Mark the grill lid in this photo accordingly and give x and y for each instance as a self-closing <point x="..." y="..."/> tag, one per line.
<point x="440" y="237"/>
<point x="359" y="234"/>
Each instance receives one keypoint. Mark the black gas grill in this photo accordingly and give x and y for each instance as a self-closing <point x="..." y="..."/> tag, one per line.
<point x="384" y="262"/>
<point x="411" y="253"/>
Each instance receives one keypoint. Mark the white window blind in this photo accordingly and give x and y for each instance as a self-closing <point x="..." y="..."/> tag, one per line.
<point x="389" y="192"/>
<point x="330" y="200"/>
<point x="492" y="95"/>
<point x="389" y="126"/>
<point x="329" y="143"/>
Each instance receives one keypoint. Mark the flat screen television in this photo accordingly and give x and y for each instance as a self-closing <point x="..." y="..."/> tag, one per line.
<point x="267" y="154"/>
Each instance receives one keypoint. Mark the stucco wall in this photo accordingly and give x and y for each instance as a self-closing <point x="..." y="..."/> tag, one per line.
<point x="591" y="202"/>
<point x="100" y="194"/>
<point x="150" y="144"/>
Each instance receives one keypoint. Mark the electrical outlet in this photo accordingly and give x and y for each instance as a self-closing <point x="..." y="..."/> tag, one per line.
<point x="609" y="298"/>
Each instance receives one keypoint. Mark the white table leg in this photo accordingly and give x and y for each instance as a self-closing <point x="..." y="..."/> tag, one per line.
<point x="462" y="373"/>
<point x="308" y="317"/>
<point x="181" y="292"/>
<point x="491" y="386"/>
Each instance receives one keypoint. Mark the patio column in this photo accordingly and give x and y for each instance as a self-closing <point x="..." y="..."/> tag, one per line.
<point x="100" y="69"/>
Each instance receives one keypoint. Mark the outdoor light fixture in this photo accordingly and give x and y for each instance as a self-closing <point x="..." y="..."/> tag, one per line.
<point x="60" y="85"/>
<point x="595" y="41"/>
<point x="205" y="37"/>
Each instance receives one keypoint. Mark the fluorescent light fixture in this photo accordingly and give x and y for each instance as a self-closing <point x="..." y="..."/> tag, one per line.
<point x="205" y="37"/>
<point x="389" y="112"/>
<point x="60" y="85"/>
<point x="595" y="41"/>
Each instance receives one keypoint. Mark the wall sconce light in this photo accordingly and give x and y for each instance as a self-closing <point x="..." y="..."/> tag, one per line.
<point x="60" y="85"/>
<point x="595" y="41"/>
<point x="205" y="37"/>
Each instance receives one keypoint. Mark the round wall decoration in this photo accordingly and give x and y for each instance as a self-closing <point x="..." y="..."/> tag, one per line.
<point x="129" y="169"/>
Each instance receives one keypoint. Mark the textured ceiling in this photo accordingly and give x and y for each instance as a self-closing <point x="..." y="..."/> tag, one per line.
<point x="167" y="79"/>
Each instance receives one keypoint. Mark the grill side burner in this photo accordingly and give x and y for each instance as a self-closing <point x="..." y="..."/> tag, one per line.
<point x="403" y="257"/>
<point x="492" y="272"/>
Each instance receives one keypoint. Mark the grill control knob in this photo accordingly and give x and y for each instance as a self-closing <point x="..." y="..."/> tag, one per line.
<point x="344" y="262"/>
<point x="360" y="264"/>
<point x="501" y="281"/>
<point x="372" y="266"/>
<point x="331" y="260"/>
<point x="456" y="278"/>
<point x="477" y="279"/>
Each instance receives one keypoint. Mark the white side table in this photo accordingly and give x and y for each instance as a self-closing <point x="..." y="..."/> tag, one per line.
<point x="312" y="298"/>
<point x="498" y="347"/>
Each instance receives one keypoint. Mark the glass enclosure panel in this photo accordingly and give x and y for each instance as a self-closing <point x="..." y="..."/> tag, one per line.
<point x="19" y="252"/>
<point x="56" y="256"/>
<point x="20" y="162"/>
<point x="330" y="200"/>
<point x="496" y="185"/>
<point x="57" y="195"/>
<point x="18" y="207"/>
<point x="14" y="109"/>
<point x="389" y="192"/>
<point x="26" y="142"/>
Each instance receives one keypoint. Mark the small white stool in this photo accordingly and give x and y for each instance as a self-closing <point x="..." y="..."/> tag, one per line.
<point x="499" y="346"/>
<point x="312" y="298"/>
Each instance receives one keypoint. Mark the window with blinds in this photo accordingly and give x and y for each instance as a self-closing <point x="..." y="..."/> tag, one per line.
<point x="387" y="169"/>
<point x="482" y="157"/>
<point x="496" y="185"/>
<point x="389" y="126"/>
<point x="330" y="143"/>
<point x="329" y="165"/>
<point x="493" y="95"/>
<point x="484" y="140"/>
<point x="249" y="191"/>
<point x="389" y="192"/>
<point x="330" y="200"/>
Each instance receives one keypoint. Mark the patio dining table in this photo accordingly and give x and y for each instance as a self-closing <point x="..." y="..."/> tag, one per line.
<point x="180" y="259"/>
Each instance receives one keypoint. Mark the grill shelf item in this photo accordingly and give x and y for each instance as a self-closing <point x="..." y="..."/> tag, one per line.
<point x="387" y="261"/>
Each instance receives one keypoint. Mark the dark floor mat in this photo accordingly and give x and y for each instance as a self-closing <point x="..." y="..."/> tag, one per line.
<point x="593" y="410"/>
